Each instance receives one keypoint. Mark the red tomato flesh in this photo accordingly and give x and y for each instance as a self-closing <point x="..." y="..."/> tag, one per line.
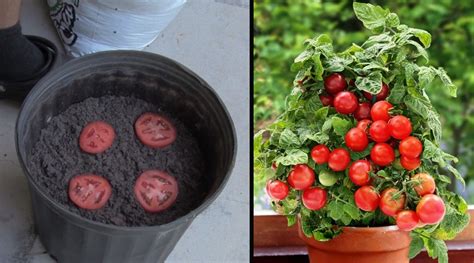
<point x="411" y="147"/>
<point x="379" y="131"/>
<point x="431" y="209"/>
<point x="400" y="127"/>
<point x="156" y="190"/>
<point x="407" y="220"/>
<point x="320" y="154"/>
<point x="366" y="198"/>
<point x="155" y="130"/>
<point x="301" y="177"/>
<point x="345" y="102"/>
<point x="96" y="137"/>
<point x="391" y="201"/>
<point x="423" y="184"/>
<point x="339" y="159"/>
<point x="277" y="190"/>
<point x="380" y="111"/>
<point x="382" y="154"/>
<point x="356" y="139"/>
<point x="314" y="198"/>
<point x="359" y="172"/>
<point x="89" y="191"/>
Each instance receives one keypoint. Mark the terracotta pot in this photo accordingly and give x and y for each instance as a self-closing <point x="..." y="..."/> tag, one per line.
<point x="360" y="245"/>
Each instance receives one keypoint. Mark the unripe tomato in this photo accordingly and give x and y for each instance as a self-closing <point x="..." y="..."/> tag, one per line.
<point x="383" y="94"/>
<point x="379" y="131"/>
<point x="411" y="147"/>
<point x="326" y="100"/>
<point x="400" y="127"/>
<point x="359" y="172"/>
<point x="345" y="102"/>
<point x="314" y="198"/>
<point x="431" y="209"/>
<point x="277" y="190"/>
<point x="335" y="83"/>
<point x="410" y="163"/>
<point x="407" y="220"/>
<point x="356" y="139"/>
<point x="320" y="154"/>
<point x="391" y="201"/>
<point x="339" y="159"/>
<point x="301" y="177"/>
<point x="379" y="110"/>
<point x="363" y="111"/>
<point x="327" y="178"/>
<point x="363" y="124"/>
<point x="423" y="183"/>
<point x="382" y="154"/>
<point x="366" y="198"/>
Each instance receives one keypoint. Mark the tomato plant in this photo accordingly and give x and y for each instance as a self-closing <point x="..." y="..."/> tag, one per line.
<point x="365" y="153"/>
<point x="277" y="190"/>
<point x="423" y="184"/>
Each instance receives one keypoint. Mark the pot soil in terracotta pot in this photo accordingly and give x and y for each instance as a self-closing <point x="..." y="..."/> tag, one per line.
<point x="356" y="153"/>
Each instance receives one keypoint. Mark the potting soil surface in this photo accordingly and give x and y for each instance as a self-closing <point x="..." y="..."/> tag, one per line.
<point x="57" y="158"/>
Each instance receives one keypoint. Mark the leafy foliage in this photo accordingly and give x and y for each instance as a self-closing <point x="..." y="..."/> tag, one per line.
<point x="395" y="54"/>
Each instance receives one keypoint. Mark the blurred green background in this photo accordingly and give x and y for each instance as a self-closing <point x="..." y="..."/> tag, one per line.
<point x="281" y="27"/>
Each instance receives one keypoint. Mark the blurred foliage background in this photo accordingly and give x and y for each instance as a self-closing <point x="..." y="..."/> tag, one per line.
<point x="280" y="28"/>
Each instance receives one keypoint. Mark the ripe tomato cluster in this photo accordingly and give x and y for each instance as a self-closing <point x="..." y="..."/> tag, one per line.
<point x="375" y="124"/>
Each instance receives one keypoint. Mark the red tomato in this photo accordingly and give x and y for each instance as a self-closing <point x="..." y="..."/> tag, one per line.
<point x="379" y="131"/>
<point x="410" y="147"/>
<point x="96" y="137"/>
<point x="89" y="191"/>
<point x="382" y="154"/>
<point x="154" y="130"/>
<point x="366" y="198"/>
<point x="381" y="95"/>
<point x="359" y="172"/>
<point x="335" y="83"/>
<point x="363" y="111"/>
<point x="277" y="190"/>
<point x="356" y="139"/>
<point x="301" y="177"/>
<point x="391" y="201"/>
<point x="400" y="127"/>
<point x="409" y="163"/>
<point x="314" y="198"/>
<point x="363" y="124"/>
<point x="345" y="102"/>
<point x="320" y="154"/>
<point x="423" y="184"/>
<point x="274" y="166"/>
<point x="431" y="209"/>
<point x="339" y="159"/>
<point x="379" y="110"/>
<point x="407" y="220"/>
<point x="326" y="100"/>
<point x="156" y="190"/>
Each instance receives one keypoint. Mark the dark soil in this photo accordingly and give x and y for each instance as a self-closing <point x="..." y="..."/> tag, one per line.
<point x="57" y="158"/>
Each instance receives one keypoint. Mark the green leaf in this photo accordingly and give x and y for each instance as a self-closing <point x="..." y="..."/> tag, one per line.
<point x="456" y="174"/>
<point x="447" y="82"/>
<point x="416" y="245"/>
<point x="397" y="92"/>
<point x="304" y="56"/>
<point x="354" y="48"/>
<point x="352" y="210"/>
<point x="335" y="210"/>
<point x="337" y="64"/>
<point x="453" y="223"/>
<point x="436" y="249"/>
<point x="288" y="139"/>
<point x="327" y="125"/>
<point x="321" y="114"/>
<point x="292" y="157"/>
<point x="371" y="83"/>
<point x="373" y="17"/>
<point x="422" y="35"/>
<point x="425" y="76"/>
<point x="341" y="126"/>
<point x="421" y="51"/>
<point x="317" y="66"/>
<point x="291" y="220"/>
<point x="392" y="20"/>
<point x="360" y="155"/>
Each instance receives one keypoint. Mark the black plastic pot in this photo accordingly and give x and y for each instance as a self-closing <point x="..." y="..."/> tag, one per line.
<point x="71" y="238"/>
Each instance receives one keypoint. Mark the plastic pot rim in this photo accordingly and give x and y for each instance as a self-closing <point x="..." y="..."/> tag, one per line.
<point x="69" y="67"/>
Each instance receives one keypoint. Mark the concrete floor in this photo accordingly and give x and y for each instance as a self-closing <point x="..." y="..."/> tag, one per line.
<point x="212" y="39"/>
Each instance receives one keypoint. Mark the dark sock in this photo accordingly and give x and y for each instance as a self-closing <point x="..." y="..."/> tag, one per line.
<point x="19" y="58"/>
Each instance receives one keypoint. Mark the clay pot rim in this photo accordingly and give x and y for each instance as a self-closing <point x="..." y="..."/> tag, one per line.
<point x="371" y="228"/>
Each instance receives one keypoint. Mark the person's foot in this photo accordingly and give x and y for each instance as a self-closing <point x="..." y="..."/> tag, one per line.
<point x="20" y="59"/>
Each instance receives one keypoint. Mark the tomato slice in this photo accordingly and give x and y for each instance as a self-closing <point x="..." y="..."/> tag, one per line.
<point x="96" y="137"/>
<point x="154" y="130"/>
<point x="89" y="191"/>
<point x="156" y="190"/>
